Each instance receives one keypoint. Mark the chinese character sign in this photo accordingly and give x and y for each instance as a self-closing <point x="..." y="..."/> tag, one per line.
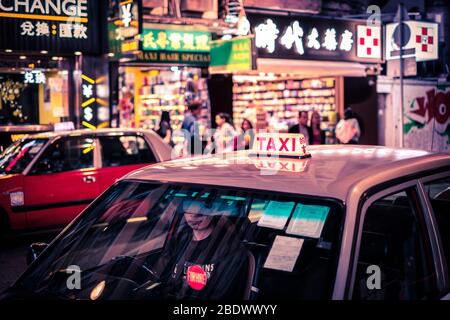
<point x="34" y="77"/>
<point x="314" y="38"/>
<point x="59" y="26"/>
<point x="175" y="40"/>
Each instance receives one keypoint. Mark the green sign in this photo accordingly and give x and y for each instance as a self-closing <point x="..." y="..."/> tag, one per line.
<point x="232" y="55"/>
<point x="176" y="40"/>
<point x="199" y="59"/>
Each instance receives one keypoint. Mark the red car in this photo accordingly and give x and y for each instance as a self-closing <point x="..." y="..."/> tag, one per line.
<point x="48" y="179"/>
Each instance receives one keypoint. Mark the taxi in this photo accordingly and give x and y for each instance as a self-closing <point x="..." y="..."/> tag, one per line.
<point x="281" y="221"/>
<point x="47" y="179"/>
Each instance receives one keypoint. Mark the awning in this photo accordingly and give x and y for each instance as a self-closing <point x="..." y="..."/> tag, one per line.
<point x="312" y="68"/>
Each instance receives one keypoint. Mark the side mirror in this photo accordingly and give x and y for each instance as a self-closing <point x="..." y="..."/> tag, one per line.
<point x="35" y="250"/>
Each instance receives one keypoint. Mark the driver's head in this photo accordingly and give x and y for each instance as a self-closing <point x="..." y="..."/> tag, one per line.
<point x="198" y="217"/>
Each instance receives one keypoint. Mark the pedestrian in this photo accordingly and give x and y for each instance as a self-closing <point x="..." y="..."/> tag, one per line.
<point x="347" y="129"/>
<point x="190" y="126"/>
<point x="246" y="137"/>
<point x="317" y="133"/>
<point x="302" y="127"/>
<point x="165" y="129"/>
<point x="224" y="135"/>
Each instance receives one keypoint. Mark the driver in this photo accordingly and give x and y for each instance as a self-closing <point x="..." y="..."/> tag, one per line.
<point x="206" y="261"/>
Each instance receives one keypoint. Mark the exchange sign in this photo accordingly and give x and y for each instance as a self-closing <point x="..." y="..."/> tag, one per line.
<point x="57" y="26"/>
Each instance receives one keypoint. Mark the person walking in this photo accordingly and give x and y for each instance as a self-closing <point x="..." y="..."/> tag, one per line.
<point x="165" y="129"/>
<point x="302" y="127"/>
<point x="347" y="129"/>
<point x="224" y="135"/>
<point x="191" y="128"/>
<point x="318" y="135"/>
<point x="245" y="139"/>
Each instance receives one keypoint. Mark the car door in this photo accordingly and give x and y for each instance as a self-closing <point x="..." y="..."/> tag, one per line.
<point x="121" y="154"/>
<point x="62" y="182"/>
<point x="395" y="253"/>
<point x="436" y="190"/>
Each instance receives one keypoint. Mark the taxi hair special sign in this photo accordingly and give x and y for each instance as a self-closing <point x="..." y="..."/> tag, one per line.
<point x="57" y="26"/>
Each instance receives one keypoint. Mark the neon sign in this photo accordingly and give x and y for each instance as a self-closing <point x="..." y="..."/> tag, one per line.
<point x="34" y="77"/>
<point x="313" y="38"/>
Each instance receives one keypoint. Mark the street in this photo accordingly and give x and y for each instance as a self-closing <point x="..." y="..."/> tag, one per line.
<point x="13" y="253"/>
<point x="215" y="150"/>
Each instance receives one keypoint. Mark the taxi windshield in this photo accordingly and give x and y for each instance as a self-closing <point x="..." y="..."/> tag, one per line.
<point x="143" y="240"/>
<point x="18" y="155"/>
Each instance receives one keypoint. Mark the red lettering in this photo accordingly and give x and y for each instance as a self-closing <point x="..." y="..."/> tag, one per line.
<point x="431" y="105"/>
<point x="293" y="145"/>
<point x="304" y="148"/>
<point x="302" y="140"/>
<point x="422" y="110"/>
<point x="442" y="107"/>
<point x="283" y="166"/>
<point x="284" y="144"/>
<point x="434" y="106"/>
<point x="271" y="145"/>
<point x="261" y="140"/>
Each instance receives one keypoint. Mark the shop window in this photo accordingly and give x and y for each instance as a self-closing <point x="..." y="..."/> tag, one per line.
<point x="67" y="154"/>
<point x="125" y="150"/>
<point x="439" y="194"/>
<point x="395" y="244"/>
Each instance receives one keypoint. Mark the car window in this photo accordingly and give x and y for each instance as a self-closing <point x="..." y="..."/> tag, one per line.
<point x="125" y="150"/>
<point x="149" y="240"/>
<point x="439" y="194"/>
<point x="20" y="154"/>
<point x="395" y="249"/>
<point x="66" y="154"/>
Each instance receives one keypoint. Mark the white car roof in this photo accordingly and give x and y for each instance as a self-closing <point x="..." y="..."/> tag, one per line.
<point x="78" y="132"/>
<point x="332" y="171"/>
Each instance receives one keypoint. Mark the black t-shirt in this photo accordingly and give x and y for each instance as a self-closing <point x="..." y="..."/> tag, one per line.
<point x="213" y="268"/>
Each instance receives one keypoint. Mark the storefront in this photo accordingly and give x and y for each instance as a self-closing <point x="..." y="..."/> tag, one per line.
<point x="157" y="67"/>
<point x="45" y="50"/>
<point x="307" y="63"/>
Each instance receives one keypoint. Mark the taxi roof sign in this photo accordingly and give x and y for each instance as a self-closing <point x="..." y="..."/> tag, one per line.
<point x="286" y="145"/>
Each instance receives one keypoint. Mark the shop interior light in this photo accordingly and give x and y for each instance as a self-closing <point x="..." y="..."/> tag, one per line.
<point x="78" y="53"/>
<point x="44" y="51"/>
<point x="110" y="54"/>
<point x="8" y="50"/>
<point x="55" y="58"/>
<point x="22" y="57"/>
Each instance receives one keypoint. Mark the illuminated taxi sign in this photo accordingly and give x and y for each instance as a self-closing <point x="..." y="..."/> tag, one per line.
<point x="282" y="145"/>
<point x="284" y="165"/>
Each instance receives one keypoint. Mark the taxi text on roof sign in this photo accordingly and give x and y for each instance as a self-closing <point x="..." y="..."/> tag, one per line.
<point x="282" y="145"/>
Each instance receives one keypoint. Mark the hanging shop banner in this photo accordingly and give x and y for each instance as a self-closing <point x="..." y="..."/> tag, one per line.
<point x="233" y="55"/>
<point x="124" y="26"/>
<point x="420" y="40"/>
<point x="169" y="44"/>
<point x="426" y="118"/>
<point x="174" y="58"/>
<point x="316" y="38"/>
<point x="175" y="40"/>
<point x="56" y="26"/>
<point x="94" y="93"/>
